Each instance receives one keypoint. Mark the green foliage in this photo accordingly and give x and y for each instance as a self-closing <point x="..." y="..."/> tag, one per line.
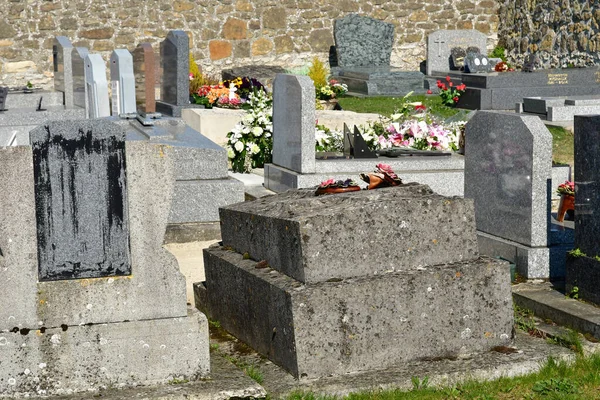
<point x="318" y="73"/>
<point x="498" y="52"/>
<point x="197" y="78"/>
<point x="571" y="341"/>
<point x="419" y="384"/>
<point x="178" y="381"/>
<point x="576" y="253"/>
<point x="555" y="386"/>
<point x="524" y="319"/>
<point x="254" y="373"/>
<point x="214" y="324"/>
<point x="214" y="346"/>
<point x="574" y="294"/>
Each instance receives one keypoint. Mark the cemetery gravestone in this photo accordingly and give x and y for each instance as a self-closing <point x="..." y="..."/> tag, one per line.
<point x="145" y="70"/>
<point x="63" y="74"/>
<point x="477" y="63"/>
<point x="96" y="87"/>
<point x="584" y="272"/>
<point x="77" y="68"/>
<point x="175" y="85"/>
<point x="123" y="82"/>
<point x="508" y="169"/>
<point x="104" y="216"/>
<point x="440" y="43"/>
<point x="3" y="96"/>
<point x="92" y="214"/>
<point x="458" y="55"/>
<point x="363" y="41"/>
<point x="293" y="123"/>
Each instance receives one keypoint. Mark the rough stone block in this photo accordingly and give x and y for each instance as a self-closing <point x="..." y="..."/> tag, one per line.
<point x="362" y="323"/>
<point x="363" y="41"/>
<point x="60" y="361"/>
<point x="315" y="239"/>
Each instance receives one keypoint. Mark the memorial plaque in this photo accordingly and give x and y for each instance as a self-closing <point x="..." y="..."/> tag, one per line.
<point x="144" y="69"/>
<point x="175" y="59"/>
<point x="96" y="87"/>
<point x="63" y="74"/>
<point x="78" y="55"/>
<point x="457" y="55"/>
<point x="81" y="200"/>
<point x="123" y="82"/>
<point x="477" y="63"/>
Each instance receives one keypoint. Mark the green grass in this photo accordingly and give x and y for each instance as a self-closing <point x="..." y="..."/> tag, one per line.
<point x="562" y="145"/>
<point x="387" y="105"/>
<point x="556" y="380"/>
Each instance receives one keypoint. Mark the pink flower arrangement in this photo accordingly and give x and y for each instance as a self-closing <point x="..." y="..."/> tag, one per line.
<point x="567" y="188"/>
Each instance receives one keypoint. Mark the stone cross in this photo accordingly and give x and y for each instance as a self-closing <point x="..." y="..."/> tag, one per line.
<point x="63" y="74"/>
<point x="96" y="87"/>
<point x="144" y="68"/>
<point x="123" y="82"/>
<point x="81" y="200"/>
<point x="439" y="42"/>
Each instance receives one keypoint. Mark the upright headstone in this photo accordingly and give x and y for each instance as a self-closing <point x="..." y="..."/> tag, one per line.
<point x="175" y="85"/>
<point x="78" y="55"/>
<point x="3" y="96"/>
<point x="122" y="82"/>
<point x="584" y="272"/>
<point x="508" y="169"/>
<point x="96" y="87"/>
<point x="145" y="70"/>
<point x="82" y="232"/>
<point x="63" y="74"/>
<point x="294" y="123"/>
<point x="79" y="211"/>
<point x="440" y="44"/>
<point x="477" y="63"/>
<point x="363" y="41"/>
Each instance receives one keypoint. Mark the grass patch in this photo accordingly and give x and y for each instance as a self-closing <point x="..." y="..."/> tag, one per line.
<point x="556" y="380"/>
<point x="562" y="145"/>
<point x="387" y="105"/>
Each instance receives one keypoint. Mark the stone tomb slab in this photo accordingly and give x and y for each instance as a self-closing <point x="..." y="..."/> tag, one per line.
<point x="315" y="239"/>
<point x="440" y="44"/>
<point x="359" y="324"/>
<point x="583" y="101"/>
<point x="81" y="201"/>
<point x="539" y="105"/>
<point x="363" y="41"/>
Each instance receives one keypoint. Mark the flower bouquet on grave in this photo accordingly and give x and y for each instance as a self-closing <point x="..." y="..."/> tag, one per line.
<point x="567" y="199"/>
<point x="383" y="176"/>
<point x="503" y="66"/>
<point x="332" y="186"/>
<point x="450" y="93"/>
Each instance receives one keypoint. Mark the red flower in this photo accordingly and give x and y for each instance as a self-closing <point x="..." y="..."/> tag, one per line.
<point x="451" y="84"/>
<point x="448" y="78"/>
<point x="455" y="98"/>
<point x="429" y="91"/>
<point x="439" y="84"/>
<point x="421" y="107"/>
<point x="461" y="87"/>
<point x="443" y="87"/>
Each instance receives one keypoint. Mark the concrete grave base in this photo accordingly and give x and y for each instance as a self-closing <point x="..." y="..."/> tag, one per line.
<point x="70" y="359"/>
<point x="173" y="110"/>
<point x="358" y="324"/>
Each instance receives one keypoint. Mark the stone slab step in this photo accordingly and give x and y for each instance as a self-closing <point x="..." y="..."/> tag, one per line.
<point x="315" y="239"/>
<point x="547" y="302"/>
<point x="358" y="324"/>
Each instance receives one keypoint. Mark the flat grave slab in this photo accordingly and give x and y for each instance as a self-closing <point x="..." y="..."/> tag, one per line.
<point x="539" y="105"/>
<point x="583" y="100"/>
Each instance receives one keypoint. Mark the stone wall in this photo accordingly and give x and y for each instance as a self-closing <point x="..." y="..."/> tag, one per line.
<point x="223" y="33"/>
<point x="564" y="33"/>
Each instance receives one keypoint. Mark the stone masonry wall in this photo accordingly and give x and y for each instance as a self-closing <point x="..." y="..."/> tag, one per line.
<point x="562" y="33"/>
<point x="223" y="33"/>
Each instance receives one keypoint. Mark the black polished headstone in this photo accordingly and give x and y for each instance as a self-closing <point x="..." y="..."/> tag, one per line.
<point x="477" y="63"/>
<point x="81" y="200"/>
<point x="175" y="59"/>
<point x="587" y="184"/>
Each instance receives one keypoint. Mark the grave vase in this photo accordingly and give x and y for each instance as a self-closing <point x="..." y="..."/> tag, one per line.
<point x="567" y="202"/>
<point x="328" y="104"/>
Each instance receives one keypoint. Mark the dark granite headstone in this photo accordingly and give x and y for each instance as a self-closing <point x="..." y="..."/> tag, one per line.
<point x="363" y="41"/>
<point x="78" y="55"/>
<point x="3" y="95"/>
<point x="145" y="71"/>
<point x="531" y="63"/>
<point x="81" y="200"/>
<point x="457" y="58"/>
<point x="175" y="59"/>
<point x="477" y="63"/>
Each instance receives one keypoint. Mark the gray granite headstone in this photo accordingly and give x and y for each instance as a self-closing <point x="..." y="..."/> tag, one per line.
<point x="78" y="55"/>
<point x="587" y="184"/>
<point x="477" y="63"/>
<point x="294" y="123"/>
<point x="63" y="74"/>
<point x="508" y="168"/>
<point x="96" y="87"/>
<point x="175" y="59"/>
<point x="440" y="43"/>
<point x="81" y="200"/>
<point x="123" y="82"/>
<point x="363" y="41"/>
